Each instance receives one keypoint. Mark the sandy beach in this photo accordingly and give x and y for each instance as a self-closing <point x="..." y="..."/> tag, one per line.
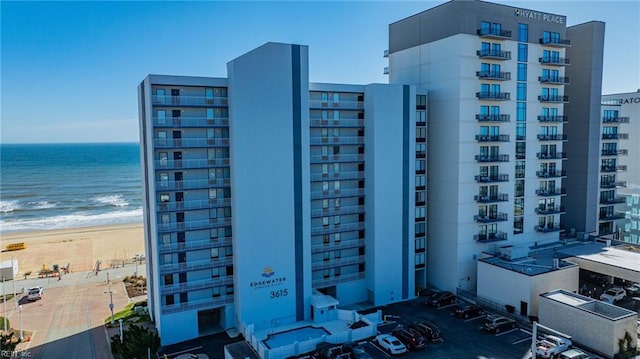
<point x="81" y="247"/>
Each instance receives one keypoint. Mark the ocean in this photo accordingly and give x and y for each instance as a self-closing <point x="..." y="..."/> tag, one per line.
<point x="54" y="186"/>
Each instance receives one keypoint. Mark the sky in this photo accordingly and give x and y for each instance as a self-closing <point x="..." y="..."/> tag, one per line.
<point x="70" y="70"/>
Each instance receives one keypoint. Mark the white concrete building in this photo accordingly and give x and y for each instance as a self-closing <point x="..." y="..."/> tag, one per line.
<point x="497" y="88"/>
<point x="262" y="187"/>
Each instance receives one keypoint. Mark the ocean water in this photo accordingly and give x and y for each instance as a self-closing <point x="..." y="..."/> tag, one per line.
<point x="53" y="186"/>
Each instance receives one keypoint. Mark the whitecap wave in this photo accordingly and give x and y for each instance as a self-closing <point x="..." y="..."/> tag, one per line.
<point x="41" y="205"/>
<point x="9" y="206"/>
<point x="116" y="200"/>
<point x="71" y="221"/>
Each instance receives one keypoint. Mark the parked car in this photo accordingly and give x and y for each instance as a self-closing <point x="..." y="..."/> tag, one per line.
<point x="441" y="298"/>
<point x="428" y="330"/>
<point x="391" y="344"/>
<point x="357" y="351"/>
<point x="35" y="293"/>
<point x="410" y="337"/>
<point x="332" y="351"/>
<point x="613" y="295"/>
<point x="497" y="324"/>
<point x="551" y="346"/>
<point x="633" y="289"/>
<point x="574" y="354"/>
<point x="468" y="311"/>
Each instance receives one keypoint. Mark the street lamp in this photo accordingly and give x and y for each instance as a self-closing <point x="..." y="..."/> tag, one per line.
<point x="111" y="303"/>
<point x="121" y="333"/>
<point x="13" y="279"/>
<point x="4" y="302"/>
<point x="21" y="334"/>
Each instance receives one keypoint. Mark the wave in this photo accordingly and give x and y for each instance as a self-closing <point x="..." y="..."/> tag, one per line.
<point x="71" y="221"/>
<point x="41" y="205"/>
<point x="9" y="206"/>
<point x="116" y="200"/>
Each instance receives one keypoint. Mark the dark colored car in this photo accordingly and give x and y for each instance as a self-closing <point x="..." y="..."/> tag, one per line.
<point x="410" y="337"/>
<point x="331" y="351"/>
<point x="441" y="298"/>
<point x="429" y="331"/>
<point x="468" y="311"/>
<point x="497" y="324"/>
<point x="357" y="351"/>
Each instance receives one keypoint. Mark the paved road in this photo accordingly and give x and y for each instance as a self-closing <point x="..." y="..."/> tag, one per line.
<point x="68" y="321"/>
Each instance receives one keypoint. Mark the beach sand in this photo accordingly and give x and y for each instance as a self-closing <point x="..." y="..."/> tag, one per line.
<point x="81" y="247"/>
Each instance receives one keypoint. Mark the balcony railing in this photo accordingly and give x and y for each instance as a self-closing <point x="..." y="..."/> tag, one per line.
<point x="326" y="282"/>
<point x="182" y="164"/>
<point x="615" y="136"/>
<point x="494" y="75"/>
<point x="502" y="177"/>
<point x="332" y="246"/>
<point x="552" y="156"/>
<point x="549" y="192"/>
<point x="554" y="80"/>
<point x="492" y="138"/>
<point x="492" y="158"/>
<point x="347" y="105"/>
<point x="192" y="225"/>
<point x="332" y="211"/>
<point x="485" y="198"/>
<point x="195" y="265"/>
<point x="612" y="200"/>
<point x="343" y="122"/>
<point x="550" y="210"/>
<point x="193" y="305"/>
<point x="191" y="205"/>
<point x="192" y="184"/>
<point x="554" y="61"/>
<point x="190" y="142"/>
<point x="552" y="118"/>
<point x="316" y="177"/>
<point x="618" y="168"/>
<point x="494" y="33"/>
<point x="550" y="98"/>
<point x="342" y="140"/>
<point x="551" y="174"/>
<point x="492" y="118"/>
<point x="546" y="229"/>
<point x="613" y="184"/>
<point x="493" y="96"/>
<point x="554" y="137"/>
<point x="337" y="262"/>
<point x="188" y="101"/>
<point x="337" y="158"/>
<point x="498" y="217"/>
<point x="614" y="152"/>
<point x="190" y="121"/>
<point x="615" y="120"/>
<point x="356" y="226"/>
<point x="494" y="54"/>
<point x="195" y="245"/>
<point x="490" y="237"/>
<point x="196" y="284"/>
<point x="611" y="216"/>
<point x="354" y="192"/>
<point x="556" y="42"/>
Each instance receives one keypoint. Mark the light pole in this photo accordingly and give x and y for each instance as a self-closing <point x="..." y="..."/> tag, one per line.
<point x="21" y="335"/>
<point x="13" y="276"/>
<point x="4" y="302"/>
<point x="121" y="333"/>
<point x="110" y="303"/>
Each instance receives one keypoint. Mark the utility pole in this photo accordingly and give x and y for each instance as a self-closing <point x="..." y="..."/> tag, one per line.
<point x="21" y="335"/>
<point x="110" y="302"/>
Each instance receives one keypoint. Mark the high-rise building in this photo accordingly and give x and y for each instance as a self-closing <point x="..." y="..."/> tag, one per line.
<point x="261" y="188"/>
<point x="498" y="89"/>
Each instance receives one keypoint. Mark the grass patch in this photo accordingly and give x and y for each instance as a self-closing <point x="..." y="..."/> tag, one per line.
<point x="128" y="314"/>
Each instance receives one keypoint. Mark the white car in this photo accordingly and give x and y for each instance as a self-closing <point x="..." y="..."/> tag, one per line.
<point x="391" y="344"/>
<point x="613" y="295"/>
<point x="35" y="293"/>
<point x="574" y="354"/>
<point x="633" y="289"/>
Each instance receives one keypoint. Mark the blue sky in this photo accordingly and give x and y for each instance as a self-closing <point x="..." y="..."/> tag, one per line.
<point x="70" y="69"/>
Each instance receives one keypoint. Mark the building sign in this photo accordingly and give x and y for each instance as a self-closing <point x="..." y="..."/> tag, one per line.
<point x="630" y="100"/>
<point x="270" y="280"/>
<point x="535" y="15"/>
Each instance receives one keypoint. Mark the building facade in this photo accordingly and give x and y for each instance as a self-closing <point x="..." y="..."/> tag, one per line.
<point x="261" y="188"/>
<point x="497" y="89"/>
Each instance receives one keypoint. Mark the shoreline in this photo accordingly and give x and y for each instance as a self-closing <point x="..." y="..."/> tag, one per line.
<point x="81" y="247"/>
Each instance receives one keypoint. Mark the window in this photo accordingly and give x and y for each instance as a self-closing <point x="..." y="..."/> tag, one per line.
<point x="336" y="185"/>
<point x="421" y="134"/>
<point x="216" y="292"/>
<point x="215" y="253"/>
<point x="421" y="197"/>
<point x="208" y="94"/>
<point x="421" y="165"/>
<point x="518" y="207"/>
<point x="168" y="279"/>
<point x="520" y="169"/>
<point x="419" y="259"/>
<point x="336" y="220"/>
<point x="421" y="102"/>
<point x="336" y="203"/>
<point x="522" y="72"/>
<point x="485" y="27"/>
<point x="523" y="32"/>
<point x="336" y="272"/>
<point x="521" y="150"/>
<point x="420" y="211"/>
<point x="325" y="203"/>
<point x="518" y="225"/>
<point x="521" y="111"/>
<point x="421" y="150"/>
<point x="324" y="98"/>
<point x="168" y="299"/>
<point x="336" y="98"/>
<point x="420" y="243"/>
<point x="184" y="297"/>
<point x="163" y="158"/>
<point x="325" y="185"/>
<point x="336" y="238"/>
<point x="522" y="91"/>
<point x="523" y="52"/>
<point x="519" y="188"/>
<point x="325" y="221"/>
<point x="420" y="229"/>
<point x="421" y="116"/>
<point x="420" y="181"/>
<point x="336" y="150"/>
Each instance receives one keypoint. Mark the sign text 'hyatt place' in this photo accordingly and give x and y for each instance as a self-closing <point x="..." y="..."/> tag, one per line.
<point x="539" y="16"/>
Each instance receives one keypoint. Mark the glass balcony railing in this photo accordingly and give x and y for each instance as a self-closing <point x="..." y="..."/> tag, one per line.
<point x="618" y="168"/>
<point x="492" y="178"/>
<point x="552" y="155"/>
<point x="492" y="138"/>
<point x="544" y="210"/>
<point x="342" y="140"/>
<point x="490" y="237"/>
<point x="554" y="61"/>
<point x="546" y="229"/>
<point x="492" y="118"/>
<point x="615" y="120"/>
<point x="343" y="122"/>
<point x="337" y="158"/>
<point x="549" y="192"/>
<point x="485" y="198"/>
<point x="492" y="158"/>
<point x="612" y="200"/>
<point x="611" y="216"/>
<point x="333" y="211"/>
<point x="494" y="75"/>
<point x="497" y="34"/>
<point x="552" y="137"/>
<point x="555" y="42"/>
<point x="554" y="80"/>
<point x="490" y="218"/>
<point x="614" y="152"/>
<point x="189" y="101"/>
<point x="494" y="54"/>
<point x="354" y="192"/>
<point x="493" y="96"/>
<point x="615" y="136"/>
<point x="190" y="142"/>
<point x="553" y="98"/>
<point x="332" y="246"/>
<point x="316" y="177"/>
<point x="190" y="121"/>
<point x="347" y="105"/>
<point x="552" y="118"/>
<point x="613" y="184"/>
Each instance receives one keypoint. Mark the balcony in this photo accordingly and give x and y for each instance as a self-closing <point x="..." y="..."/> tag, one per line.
<point x="494" y="75"/>
<point x="355" y="226"/>
<point x="189" y="101"/>
<point x="545" y="210"/>
<point x="554" y="61"/>
<point x="340" y="140"/>
<point x="553" y="119"/>
<point x="192" y="205"/>
<point x="550" y="192"/>
<point x="343" y="193"/>
<point x="333" y="211"/>
<point x="613" y="184"/>
<point x="192" y="225"/>
<point x="490" y="237"/>
<point x="190" y="122"/>
<point x="195" y="265"/>
<point x="614" y="152"/>
<point x="612" y="200"/>
<point x="316" y="177"/>
<point x="554" y="80"/>
<point x="547" y="229"/>
<point x="193" y="305"/>
<point x="332" y="246"/>
<point x="500" y="197"/>
<point x="498" y="217"/>
<point x="191" y="184"/>
<point x="615" y="120"/>
<point x="492" y="158"/>
<point x="552" y="156"/>
<point x="337" y="262"/>
<point x="194" y="245"/>
<point x="196" y="284"/>
<point x="492" y="138"/>
<point x="385" y="54"/>
<point x="615" y="136"/>
<point x="191" y="164"/>
<point x="190" y="142"/>
<point x="611" y="216"/>
<point x="554" y="137"/>
<point x="326" y="282"/>
<point x="337" y="158"/>
<point x="555" y="42"/>
<point x="343" y="122"/>
<point x="612" y="169"/>
<point x="343" y="105"/>
<point x="492" y="118"/>
<point x="493" y="96"/>
<point x="497" y="34"/>
<point x="554" y="99"/>
<point x="494" y="54"/>
<point x="492" y="178"/>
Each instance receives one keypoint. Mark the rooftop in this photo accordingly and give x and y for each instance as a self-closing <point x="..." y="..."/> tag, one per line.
<point x="587" y="304"/>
